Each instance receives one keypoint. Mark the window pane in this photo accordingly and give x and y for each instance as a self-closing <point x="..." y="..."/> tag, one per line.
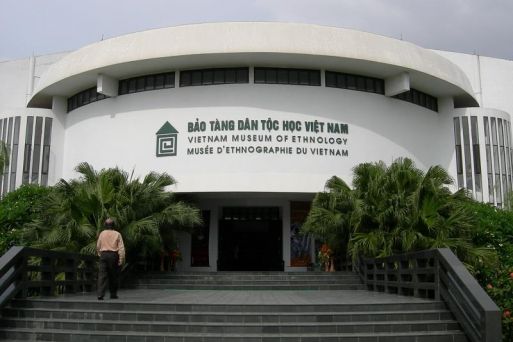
<point x="150" y="83"/>
<point x="293" y="77"/>
<point x="315" y="78"/>
<point x="379" y="86"/>
<point x="488" y="159"/>
<point x="243" y="75"/>
<point x="360" y="83"/>
<point x="486" y="130"/>
<point x="331" y="79"/>
<point x="466" y="147"/>
<point x="494" y="132"/>
<point x="303" y="77"/>
<point x="231" y="76"/>
<point x="185" y="78"/>
<point x="341" y="81"/>
<point x="37" y="150"/>
<point x="369" y="85"/>
<point x="218" y="76"/>
<point x="477" y="159"/>
<point x="196" y="78"/>
<point x="270" y="76"/>
<point x="283" y="76"/>
<point x="131" y="85"/>
<point x="208" y="77"/>
<point x="457" y="130"/>
<point x="501" y="134"/>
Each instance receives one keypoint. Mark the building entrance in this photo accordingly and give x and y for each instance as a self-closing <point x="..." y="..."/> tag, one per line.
<point x="250" y="239"/>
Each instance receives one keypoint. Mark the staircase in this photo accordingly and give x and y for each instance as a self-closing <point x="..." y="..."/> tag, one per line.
<point x="250" y="281"/>
<point x="237" y="306"/>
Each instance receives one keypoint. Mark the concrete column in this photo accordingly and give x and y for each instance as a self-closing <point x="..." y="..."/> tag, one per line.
<point x="445" y="105"/>
<point x="107" y="86"/>
<point x="31" y="75"/>
<point x="397" y="84"/>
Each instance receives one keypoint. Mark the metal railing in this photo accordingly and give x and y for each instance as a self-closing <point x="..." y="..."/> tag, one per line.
<point x="437" y="274"/>
<point x="27" y="272"/>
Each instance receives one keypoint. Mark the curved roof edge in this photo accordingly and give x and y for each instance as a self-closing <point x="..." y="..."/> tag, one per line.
<point x="375" y="55"/>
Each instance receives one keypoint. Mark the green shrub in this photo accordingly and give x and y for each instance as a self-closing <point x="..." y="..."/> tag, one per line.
<point x="18" y="208"/>
<point x="495" y="230"/>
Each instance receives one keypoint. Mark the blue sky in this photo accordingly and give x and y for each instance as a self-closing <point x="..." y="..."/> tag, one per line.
<point x="484" y="27"/>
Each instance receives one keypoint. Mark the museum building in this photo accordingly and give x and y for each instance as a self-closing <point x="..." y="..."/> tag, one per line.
<point x="252" y="118"/>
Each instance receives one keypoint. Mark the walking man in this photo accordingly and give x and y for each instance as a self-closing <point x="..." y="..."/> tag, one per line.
<point x="111" y="250"/>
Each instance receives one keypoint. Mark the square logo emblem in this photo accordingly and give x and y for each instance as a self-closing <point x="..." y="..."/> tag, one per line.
<point x="167" y="141"/>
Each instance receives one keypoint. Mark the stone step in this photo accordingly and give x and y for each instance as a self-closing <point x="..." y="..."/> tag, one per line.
<point x="231" y="328"/>
<point x="97" y="336"/>
<point x="122" y="305"/>
<point x="229" y="317"/>
<point x="221" y="281"/>
<point x="250" y="287"/>
<point x="249" y="276"/>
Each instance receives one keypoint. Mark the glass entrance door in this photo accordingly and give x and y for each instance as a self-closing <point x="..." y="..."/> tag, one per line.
<point x="250" y="239"/>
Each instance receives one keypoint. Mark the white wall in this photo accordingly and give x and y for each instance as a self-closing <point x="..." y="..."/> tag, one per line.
<point x="15" y="76"/>
<point x="491" y="78"/>
<point x="121" y="131"/>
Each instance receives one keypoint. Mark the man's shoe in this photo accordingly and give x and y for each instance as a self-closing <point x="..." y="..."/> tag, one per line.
<point x="100" y="298"/>
<point x="113" y="297"/>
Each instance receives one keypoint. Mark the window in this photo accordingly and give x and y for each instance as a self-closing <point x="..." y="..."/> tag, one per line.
<point x="14" y="152"/>
<point x="489" y="161"/>
<point x="84" y="97"/>
<point x="28" y="150"/>
<point x="419" y="98"/>
<point x="476" y="155"/>
<point x="38" y="133"/>
<point x="287" y="76"/>
<point x="146" y="83"/>
<point x="213" y="76"/>
<point x="46" y="151"/>
<point x="459" y="159"/>
<point x="355" y="82"/>
<point x="466" y="150"/>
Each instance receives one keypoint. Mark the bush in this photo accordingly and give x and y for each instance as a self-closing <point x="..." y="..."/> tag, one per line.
<point x="18" y="208"/>
<point x="495" y="230"/>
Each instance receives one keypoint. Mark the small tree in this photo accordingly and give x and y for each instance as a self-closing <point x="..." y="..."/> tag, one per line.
<point x="141" y="209"/>
<point x="396" y="209"/>
<point x="18" y="208"/>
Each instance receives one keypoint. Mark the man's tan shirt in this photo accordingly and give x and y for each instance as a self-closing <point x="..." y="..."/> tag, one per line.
<point x="111" y="240"/>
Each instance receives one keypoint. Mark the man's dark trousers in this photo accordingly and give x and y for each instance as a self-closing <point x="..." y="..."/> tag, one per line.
<point x="109" y="271"/>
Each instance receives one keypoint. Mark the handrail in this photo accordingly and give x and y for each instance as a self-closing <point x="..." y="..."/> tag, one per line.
<point x="440" y="275"/>
<point x="26" y="272"/>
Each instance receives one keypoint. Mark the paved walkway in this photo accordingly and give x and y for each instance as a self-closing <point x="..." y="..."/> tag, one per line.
<point x="249" y="297"/>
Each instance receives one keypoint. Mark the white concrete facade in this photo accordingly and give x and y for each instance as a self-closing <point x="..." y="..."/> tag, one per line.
<point x="304" y="133"/>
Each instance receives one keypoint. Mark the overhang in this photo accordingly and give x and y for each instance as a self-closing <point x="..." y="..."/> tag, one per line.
<point x="253" y="43"/>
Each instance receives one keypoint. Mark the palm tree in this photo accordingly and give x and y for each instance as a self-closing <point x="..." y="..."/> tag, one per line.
<point x="143" y="210"/>
<point x="397" y="209"/>
<point x="333" y="214"/>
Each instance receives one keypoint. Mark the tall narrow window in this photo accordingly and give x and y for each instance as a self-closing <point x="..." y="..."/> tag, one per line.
<point x="459" y="160"/>
<point x="5" y="186"/>
<point x="14" y="153"/>
<point x="508" y="152"/>
<point x="27" y="154"/>
<point x="503" y="157"/>
<point x="476" y="155"/>
<point x="489" y="161"/>
<point x="496" y="163"/>
<point x="468" y="158"/>
<point x="37" y="150"/>
<point x="46" y="151"/>
<point x="2" y="138"/>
